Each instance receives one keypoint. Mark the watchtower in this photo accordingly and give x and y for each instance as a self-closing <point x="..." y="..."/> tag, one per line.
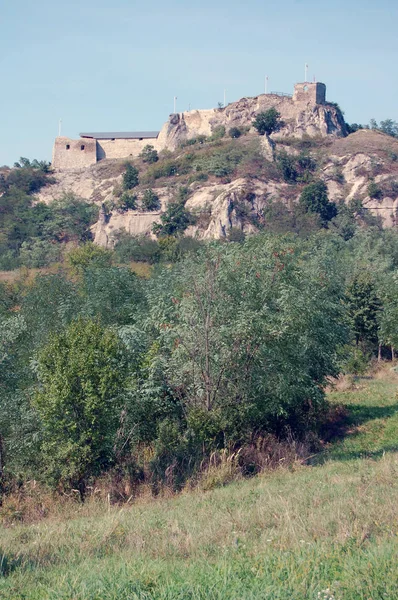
<point x="312" y="93"/>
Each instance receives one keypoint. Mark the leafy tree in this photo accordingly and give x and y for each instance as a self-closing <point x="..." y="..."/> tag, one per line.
<point x="363" y="304"/>
<point x="150" y="201"/>
<point x="130" y="177"/>
<point x="36" y="253"/>
<point x="287" y="165"/>
<point x="314" y="198"/>
<point x="149" y="154"/>
<point x="127" y="201"/>
<point x="268" y="122"/>
<point x="87" y="256"/>
<point x="70" y="219"/>
<point x="138" y="248"/>
<point x="174" y="221"/>
<point x="81" y="373"/>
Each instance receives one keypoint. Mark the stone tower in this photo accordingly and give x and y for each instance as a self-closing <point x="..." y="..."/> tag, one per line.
<point x="312" y="93"/>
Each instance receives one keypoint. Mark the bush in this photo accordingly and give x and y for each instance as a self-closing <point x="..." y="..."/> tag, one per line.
<point x="174" y="221"/>
<point x="236" y="235"/>
<point x="268" y="122"/>
<point x="314" y="198"/>
<point x="149" y="154"/>
<point x="36" y="253"/>
<point x="218" y="133"/>
<point x="374" y="191"/>
<point x="150" y="201"/>
<point x="287" y="166"/>
<point x="137" y="248"/>
<point x="89" y="255"/>
<point x="127" y="201"/>
<point x="234" y="132"/>
<point x="130" y="177"/>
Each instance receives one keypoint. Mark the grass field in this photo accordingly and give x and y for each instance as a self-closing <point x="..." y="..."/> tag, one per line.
<point x="324" y="531"/>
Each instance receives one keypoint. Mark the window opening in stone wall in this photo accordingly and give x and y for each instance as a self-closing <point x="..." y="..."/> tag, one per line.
<point x="67" y="146"/>
<point x="82" y="147"/>
<point x="305" y="88"/>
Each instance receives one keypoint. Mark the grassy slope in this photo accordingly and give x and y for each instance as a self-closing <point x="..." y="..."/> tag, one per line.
<point x="284" y="535"/>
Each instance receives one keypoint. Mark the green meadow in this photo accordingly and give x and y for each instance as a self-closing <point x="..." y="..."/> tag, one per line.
<point x="324" y="530"/>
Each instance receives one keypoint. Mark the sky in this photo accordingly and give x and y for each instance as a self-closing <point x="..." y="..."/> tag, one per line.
<point x="116" y="65"/>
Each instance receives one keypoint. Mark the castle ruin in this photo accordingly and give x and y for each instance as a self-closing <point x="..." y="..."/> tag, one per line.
<point x="304" y="112"/>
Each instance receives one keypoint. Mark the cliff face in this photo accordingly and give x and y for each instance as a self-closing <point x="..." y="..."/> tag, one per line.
<point x="347" y="165"/>
<point x="300" y="118"/>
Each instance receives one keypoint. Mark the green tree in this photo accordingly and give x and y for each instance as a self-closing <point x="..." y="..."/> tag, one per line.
<point x="150" y="201"/>
<point x="268" y="122"/>
<point x="81" y="373"/>
<point x="149" y="154"/>
<point x="130" y="177"/>
<point x="88" y="255"/>
<point x="314" y="198"/>
<point x="127" y="201"/>
<point x="174" y="221"/>
<point x="363" y="304"/>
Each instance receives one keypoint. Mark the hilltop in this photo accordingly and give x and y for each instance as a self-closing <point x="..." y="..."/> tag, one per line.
<point x="230" y="182"/>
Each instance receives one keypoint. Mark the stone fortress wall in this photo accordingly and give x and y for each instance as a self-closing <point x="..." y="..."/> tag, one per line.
<point x="306" y="112"/>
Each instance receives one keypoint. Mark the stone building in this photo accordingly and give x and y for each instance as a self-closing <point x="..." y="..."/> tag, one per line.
<point x="306" y="112"/>
<point x="92" y="147"/>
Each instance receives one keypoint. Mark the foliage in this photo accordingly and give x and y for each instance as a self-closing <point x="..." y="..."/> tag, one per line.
<point x="127" y="201"/>
<point x="150" y="201"/>
<point x="81" y="372"/>
<point x="314" y="198"/>
<point x="374" y="191"/>
<point x="174" y="221"/>
<point x="130" y="177"/>
<point x="363" y="305"/>
<point x="268" y="122"/>
<point x="287" y="165"/>
<point x="88" y="255"/>
<point x="36" y="253"/>
<point x="218" y="133"/>
<point x="138" y="248"/>
<point x="149" y="154"/>
<point x="40" y="165"/>
<point x="234" y="132"/>
<point x="236" y="235"/>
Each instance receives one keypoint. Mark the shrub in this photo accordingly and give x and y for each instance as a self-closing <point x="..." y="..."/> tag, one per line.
<point x="234" y="132"/>
<point x="149" y="154"/>
<point x="218" y="133"/>
<point x="81" y="372"/>
<point x="287" y="166"/>
<point x="174" y="221"/>
<point x="150" y="201"/>
<point x="36" y="253"/>
<point x="130" y="177"/>
<point x="374" y="191"/>
<point x="88" y="255"/>
<point x="236" y="235"/>
<point x="314" y="198"/>
<point x="137" y="248"/>
<point x="127" y="201"/>
<point x="268" y="122"/>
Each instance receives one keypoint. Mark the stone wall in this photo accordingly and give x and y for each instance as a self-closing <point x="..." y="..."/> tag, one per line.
<point x="74" y="154"/>
<point x="314" y="93"/>
<point x="120" y="148"/>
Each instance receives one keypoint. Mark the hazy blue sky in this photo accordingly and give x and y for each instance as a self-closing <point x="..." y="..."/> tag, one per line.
<point x="116" y="65"/>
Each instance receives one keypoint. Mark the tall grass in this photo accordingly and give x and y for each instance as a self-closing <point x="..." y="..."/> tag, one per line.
<point x="323" y="531"/>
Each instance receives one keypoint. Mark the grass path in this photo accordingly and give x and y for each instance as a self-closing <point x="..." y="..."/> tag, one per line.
<point x="320" y="532"/>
